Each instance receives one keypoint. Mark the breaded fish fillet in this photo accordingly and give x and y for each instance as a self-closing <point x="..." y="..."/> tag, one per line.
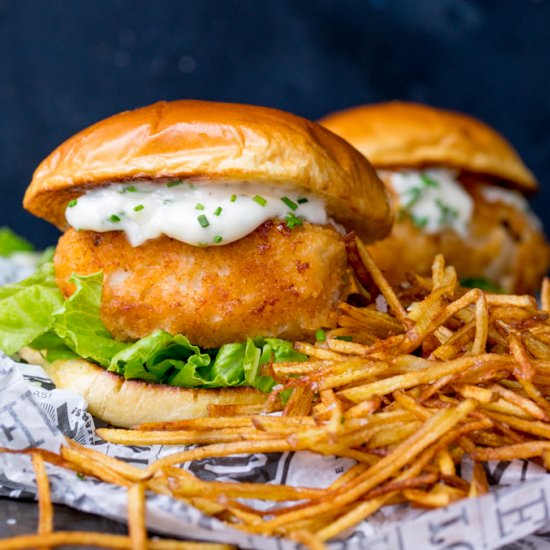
<point x="274" y="282"/>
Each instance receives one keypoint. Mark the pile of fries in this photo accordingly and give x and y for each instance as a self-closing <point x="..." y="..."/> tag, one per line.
<point x="434" y="373"/>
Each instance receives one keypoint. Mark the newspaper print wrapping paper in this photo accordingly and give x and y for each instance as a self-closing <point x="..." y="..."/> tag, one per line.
<point x="33" y="413"/>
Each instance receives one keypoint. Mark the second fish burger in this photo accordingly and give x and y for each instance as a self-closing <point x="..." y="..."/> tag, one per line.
<point x="219" y="222"/>
<point x="458" y="188"/>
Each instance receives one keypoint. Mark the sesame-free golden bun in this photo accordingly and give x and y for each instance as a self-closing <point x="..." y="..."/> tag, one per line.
<point x="410" y="135"/>
<point x="127" y="403"/>
<point x="214" y="142"/>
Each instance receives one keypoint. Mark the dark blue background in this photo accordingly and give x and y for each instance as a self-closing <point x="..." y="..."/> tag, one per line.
<point x="67" y="63"/>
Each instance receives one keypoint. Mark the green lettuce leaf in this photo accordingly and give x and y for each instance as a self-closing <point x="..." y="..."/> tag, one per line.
<point x="53" y="347"/>
<point x="263" y="352"/>
<point x="11" y="243"/>
<point x="251" y="362"/>
<point x="27" y="308"/>
<point x="46" y="256"/>
<point x="79" y="324"/>
<point x="173" y="360"/>
<point x="283" y="350"/>
<point x="228" y="367"/>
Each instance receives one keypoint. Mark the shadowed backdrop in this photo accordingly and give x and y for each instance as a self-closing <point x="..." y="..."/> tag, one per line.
<point x="65" y="64"/>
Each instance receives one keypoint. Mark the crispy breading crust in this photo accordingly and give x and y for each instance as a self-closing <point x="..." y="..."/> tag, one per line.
<point x="274" y="282"/>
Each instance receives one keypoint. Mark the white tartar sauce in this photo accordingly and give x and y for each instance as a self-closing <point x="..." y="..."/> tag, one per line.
<point x="193" y="212"/>
<point x="433" y="198"/>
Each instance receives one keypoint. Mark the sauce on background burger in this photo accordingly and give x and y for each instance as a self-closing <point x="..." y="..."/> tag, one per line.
<point x="189" y="224"/>
<point x="457" y="188"/>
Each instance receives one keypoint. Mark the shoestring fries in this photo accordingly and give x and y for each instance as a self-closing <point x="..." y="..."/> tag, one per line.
<point x="137" y="539"/>
<point x="433" y="374"/>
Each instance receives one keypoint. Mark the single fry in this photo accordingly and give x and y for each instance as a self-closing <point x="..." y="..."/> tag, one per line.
<point x="382" y="284"/>
<point x="545" y="295"/>
<point x="223" y="449"/>
<point x="483" y="395"/>
<point x="131" y="473"/>
<point x="479" y="484"/>
<point x="511" y="300"/>
<point x="317" y="352"/>
<point x="45" y="507"/>
<point x="238" y="410"/>
<point x="300" y="402"/>
<point x="482" y="326"/>
<point x="137" y="527"/>
<point x="135" y="437"/>
<point x="101" y="540"/>
<point x="97" y="469"/>
<point x="308" y="539"/>
<point x="190" y="487"/>
<point x="527" y="405"/>
<point x="445" y="463"/>
<point x="519" y="451"/>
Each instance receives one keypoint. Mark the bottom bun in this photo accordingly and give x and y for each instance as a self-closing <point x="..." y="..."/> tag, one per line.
<point x="126" y="403"/>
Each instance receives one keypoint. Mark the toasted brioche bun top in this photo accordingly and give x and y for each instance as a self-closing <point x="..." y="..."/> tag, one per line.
<point x="213" y="141"/>
<point x="398" y="134"/>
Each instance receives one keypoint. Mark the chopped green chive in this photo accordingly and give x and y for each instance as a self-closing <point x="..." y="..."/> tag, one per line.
<point x="129" y="188"/>
<point x="429" y="182"/>
<point x="344" y="338"/>
<point x="320" y="335"/>
<point x="218" y="239"/>
<point x="203" y="220"/>
<point x="291" y="204"/>
<point x="448" y="213"/>
<point x="415" y="194"/>
<point x="233" y="198"/>
<point x="260" y="200"/>
<point x="199" y="206"/>
<point x="72" y="203"/>
<point x="114" y="218"/>
<point x="303" y="200"/>
<point x="420" y="222"/>
<point x="80" y="475"/>
<point x="218" y="211"/>
<point x="174" y="183"/>
<point x="292" y="221"/>
<point x="138" y="207"/>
